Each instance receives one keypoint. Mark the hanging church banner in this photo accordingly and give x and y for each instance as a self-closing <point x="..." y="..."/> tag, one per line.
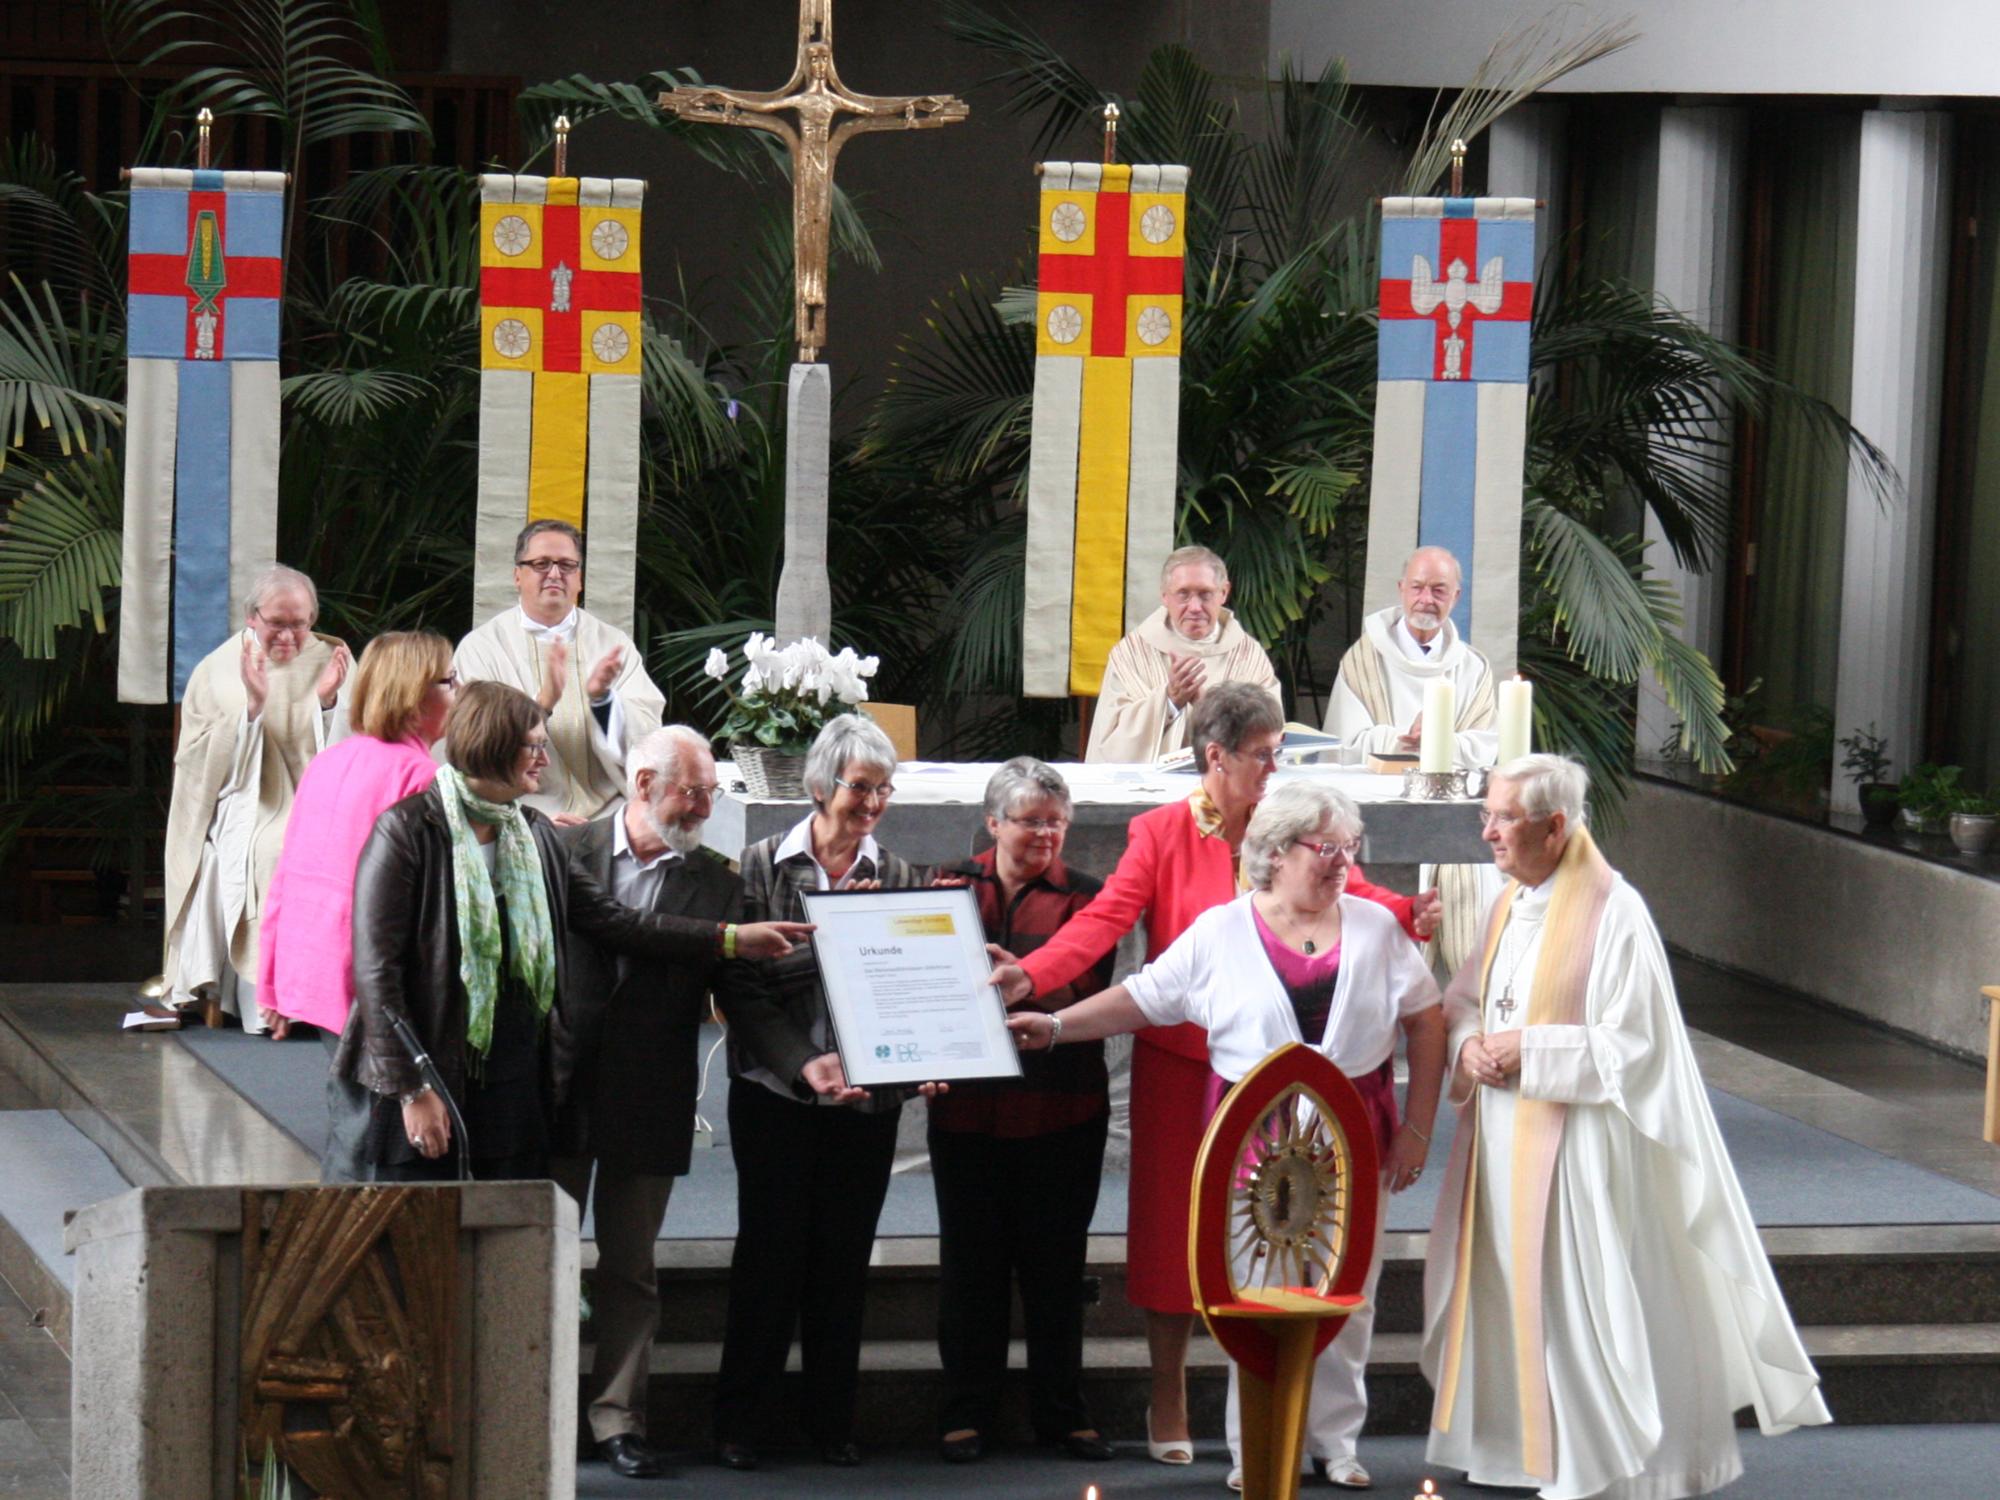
<point x="205" y="280"/>
<point x="1102" y="455"/>
<point x="559" y="357"/>
<point x="1451" y="406"/>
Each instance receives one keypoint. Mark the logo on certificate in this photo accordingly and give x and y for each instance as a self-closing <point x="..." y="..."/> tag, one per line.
<point x="882" y="1052"/>
<point x="909" y="1052"/>
<point x="922" y="924"/>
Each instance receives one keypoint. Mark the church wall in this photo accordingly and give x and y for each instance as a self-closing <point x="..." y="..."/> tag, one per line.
<point x="943" y="203"/>
<point x="1903" y="941"/>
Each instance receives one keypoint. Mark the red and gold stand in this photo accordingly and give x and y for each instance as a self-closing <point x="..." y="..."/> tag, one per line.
<point x="1287" y="1188"/>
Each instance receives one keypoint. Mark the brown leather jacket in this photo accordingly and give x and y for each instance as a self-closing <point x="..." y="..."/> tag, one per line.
<point x="406" y="951"/>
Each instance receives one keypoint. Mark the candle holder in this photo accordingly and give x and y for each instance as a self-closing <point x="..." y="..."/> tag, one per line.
<point x="1433" y="786"/>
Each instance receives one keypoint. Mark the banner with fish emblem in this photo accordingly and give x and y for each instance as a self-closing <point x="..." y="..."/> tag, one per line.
<point x="1103" y="452"/>
<point x="1451" y="406"/>
<point x="205" y="283"/>
<point x="559" y="356"/>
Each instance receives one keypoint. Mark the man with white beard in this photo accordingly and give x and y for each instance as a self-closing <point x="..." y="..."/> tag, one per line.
<point x="624" y="1040"/>
<point x="1597" y="1302"/>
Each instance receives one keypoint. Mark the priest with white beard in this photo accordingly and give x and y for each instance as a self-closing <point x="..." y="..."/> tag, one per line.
<point x="584" y="671"/>
<point x="256" y="710"/>
<point x="1597" y="1302"/>
<point x="1189" y="644"/>
<point x="1378" y="696"/>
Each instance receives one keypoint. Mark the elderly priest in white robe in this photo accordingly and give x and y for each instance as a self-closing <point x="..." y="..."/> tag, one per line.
<point x="1188" y="645"/>
<point x="1597" y="1302"/>
<point x="583" y="670"/>
<point x="256" y="710"/>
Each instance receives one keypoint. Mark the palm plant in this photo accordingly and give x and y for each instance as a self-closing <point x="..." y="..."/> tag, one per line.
<point x="1278" y="366"/>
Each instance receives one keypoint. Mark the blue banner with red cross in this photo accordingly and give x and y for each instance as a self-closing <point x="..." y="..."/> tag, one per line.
<point x="205" y="282"/>
<point x="1457" y="296"/>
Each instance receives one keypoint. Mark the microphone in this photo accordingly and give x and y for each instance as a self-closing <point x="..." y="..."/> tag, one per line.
<point x="406" y="1034"/>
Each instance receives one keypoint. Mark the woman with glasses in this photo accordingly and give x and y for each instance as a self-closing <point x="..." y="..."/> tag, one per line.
<point x="812" y="1154"/>
<point x="1016" y="1165"/>
<point x="402" y="691"/>
<point x="1299" y="958"/>
<point x="1179" y="860"/>
<point x="462" y="903"/>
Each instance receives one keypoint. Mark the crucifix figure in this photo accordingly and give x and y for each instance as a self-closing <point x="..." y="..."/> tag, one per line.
<point x="817" y="97"/>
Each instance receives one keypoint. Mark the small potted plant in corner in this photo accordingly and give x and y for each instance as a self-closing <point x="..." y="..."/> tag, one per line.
<point x="788" y="695"/>
<point x="1928" y="796"/>
<point x="1975" y="822"/>
<point x="1865" y="759"/>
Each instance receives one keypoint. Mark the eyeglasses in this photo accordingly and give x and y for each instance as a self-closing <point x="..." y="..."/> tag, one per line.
<point x="1265" y="758"/>
<point x="283" y="627"/>
<point x="866" y="789"/>
<point x="697" y="793"/>
<point x="1439" y="590"/>
<point x="541" y="566"/>
<point x="536" y="749"/>
<point x="1038" y="825"/>
<point x="1501" y="820"/>
<point x="1347" y="851"/>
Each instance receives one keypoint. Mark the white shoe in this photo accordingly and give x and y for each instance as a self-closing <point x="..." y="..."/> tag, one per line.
<point x="1345" y="1472"/>
<point x="1172" y="1451"/>
<point x="1236" y="1479"/>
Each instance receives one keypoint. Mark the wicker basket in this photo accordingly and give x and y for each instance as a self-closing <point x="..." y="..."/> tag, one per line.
<point x="770" y="773"/>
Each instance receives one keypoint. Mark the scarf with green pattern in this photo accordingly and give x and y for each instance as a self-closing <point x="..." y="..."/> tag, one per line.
<point x="518" y="870"/>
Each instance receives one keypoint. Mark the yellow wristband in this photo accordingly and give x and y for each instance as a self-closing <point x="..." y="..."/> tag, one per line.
<point x="729" y="940"/>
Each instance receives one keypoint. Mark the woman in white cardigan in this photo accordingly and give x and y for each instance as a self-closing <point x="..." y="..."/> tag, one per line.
<point x="1295" y="960"/>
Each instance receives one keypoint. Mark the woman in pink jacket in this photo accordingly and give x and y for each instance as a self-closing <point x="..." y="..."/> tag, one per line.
<point x="403" y="689"/>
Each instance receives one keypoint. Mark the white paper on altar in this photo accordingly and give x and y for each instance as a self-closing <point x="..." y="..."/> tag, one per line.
<point x="931" y="783"/>
<point x="905" y="975"/>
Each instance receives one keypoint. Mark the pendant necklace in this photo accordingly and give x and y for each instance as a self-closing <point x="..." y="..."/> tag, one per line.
<point x="1505" y="1004"/>
<point x="1306" y="946"/>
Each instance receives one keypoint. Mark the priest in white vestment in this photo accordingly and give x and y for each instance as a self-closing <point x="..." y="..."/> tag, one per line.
<point x="585" y="672"/>
<point x="256" y="710"/>
<point x="1597" y="1302"/>
<point x="1188" y="645"/>
<point x="1378" y="705"/>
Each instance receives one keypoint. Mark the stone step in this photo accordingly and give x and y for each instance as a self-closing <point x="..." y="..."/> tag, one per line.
<point x="1871" y="1375"/>
<point x="1916" y="1274"/>
<point x="48" y="1170"/>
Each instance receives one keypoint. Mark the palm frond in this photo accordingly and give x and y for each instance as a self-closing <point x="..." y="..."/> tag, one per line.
<point x="60" y="552"/>
<point x="1037" y="79"/>
<point x="341" y="398"/>
<point x="56" y="372"/>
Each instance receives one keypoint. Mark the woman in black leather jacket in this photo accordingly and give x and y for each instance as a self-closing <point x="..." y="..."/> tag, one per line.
<point x="461" y="905"/>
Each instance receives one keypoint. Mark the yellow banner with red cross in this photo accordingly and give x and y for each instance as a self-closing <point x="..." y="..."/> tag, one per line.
<point x="1106" y="422"/>
<point x="560" y="355"/>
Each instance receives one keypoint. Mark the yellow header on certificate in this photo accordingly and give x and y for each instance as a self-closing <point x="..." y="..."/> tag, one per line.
<point x="923" y="924"/>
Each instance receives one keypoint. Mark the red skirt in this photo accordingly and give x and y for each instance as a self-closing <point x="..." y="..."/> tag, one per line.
<point x="1168" y="1123"/>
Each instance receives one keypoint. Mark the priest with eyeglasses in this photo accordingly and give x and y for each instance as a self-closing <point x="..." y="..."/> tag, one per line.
<point x="1598" y="1305"/>
<point x="583" y="670"/>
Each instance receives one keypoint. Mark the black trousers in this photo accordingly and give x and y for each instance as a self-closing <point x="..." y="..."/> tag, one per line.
<point x="1014" y="1210"/>
<point x="809" y="1187"/>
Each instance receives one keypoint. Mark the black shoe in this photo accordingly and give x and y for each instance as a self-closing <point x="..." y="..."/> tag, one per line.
<point x="962" y="1450"/>
<point x="846" y="1455"/>
<point x="738" y="1456"/>
<point x="630" y="1455"/>
<point x="1090" y="1447"/>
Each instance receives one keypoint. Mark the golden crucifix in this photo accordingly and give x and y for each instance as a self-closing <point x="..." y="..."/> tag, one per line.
<point x="817" y="97"/>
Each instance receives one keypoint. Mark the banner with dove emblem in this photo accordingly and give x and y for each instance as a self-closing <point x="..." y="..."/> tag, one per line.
<point x="559" y="379"/>
<point x="1451" y="405"/>
<point x="1106" y="424"/>
<point x="204" y="285"/>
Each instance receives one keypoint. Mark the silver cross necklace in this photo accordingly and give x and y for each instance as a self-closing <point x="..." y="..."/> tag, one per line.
<point x="1505" y="1004"/>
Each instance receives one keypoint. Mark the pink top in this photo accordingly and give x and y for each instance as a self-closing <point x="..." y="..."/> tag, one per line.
<point x="306" y="948"/>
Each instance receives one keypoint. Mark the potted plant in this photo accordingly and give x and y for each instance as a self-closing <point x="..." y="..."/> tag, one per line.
<point x="1865" y="759"/>
<point x="1928" y="796"/>
<point x="1974" y="823"/>
<point x="786" y="696"/>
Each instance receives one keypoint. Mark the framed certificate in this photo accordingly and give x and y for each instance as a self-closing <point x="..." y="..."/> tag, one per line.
<point x="906" y="988"/>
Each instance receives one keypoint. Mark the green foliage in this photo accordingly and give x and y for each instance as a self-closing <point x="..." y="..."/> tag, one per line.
<point x="1932" y="793"/>
<point x="1865" y="757"/>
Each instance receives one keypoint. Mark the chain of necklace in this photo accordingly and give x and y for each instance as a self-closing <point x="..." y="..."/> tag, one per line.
<point x="1305" y="946"/>
<point x="1505" y="1004"/>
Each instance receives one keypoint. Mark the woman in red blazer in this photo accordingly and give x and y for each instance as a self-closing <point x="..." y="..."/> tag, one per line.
<point x="1179" y="860"/>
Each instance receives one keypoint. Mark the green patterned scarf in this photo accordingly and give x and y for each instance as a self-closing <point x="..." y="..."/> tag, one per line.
<point x="519" y="871"/>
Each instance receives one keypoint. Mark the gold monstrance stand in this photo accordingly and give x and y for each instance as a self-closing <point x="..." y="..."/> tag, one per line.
<point x="1282" y="1228"/>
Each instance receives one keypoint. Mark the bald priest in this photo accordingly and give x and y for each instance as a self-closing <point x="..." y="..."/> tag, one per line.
<point x="584" y="671"/>
<point x="1189" y="644"/>
<point x="1378" y="698"/>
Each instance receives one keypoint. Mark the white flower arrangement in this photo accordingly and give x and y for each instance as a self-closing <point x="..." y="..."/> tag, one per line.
<point x="788" y="693"/>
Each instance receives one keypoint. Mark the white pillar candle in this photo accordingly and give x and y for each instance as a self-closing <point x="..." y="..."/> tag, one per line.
<point x="1439" y="715"/>
<point x="1517" y="718"/>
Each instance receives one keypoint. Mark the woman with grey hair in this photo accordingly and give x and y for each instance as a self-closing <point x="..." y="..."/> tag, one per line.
<point x="1298" y="958"/>
<point x="812" y="1154"/>
<point x="1016" y="1164"/>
